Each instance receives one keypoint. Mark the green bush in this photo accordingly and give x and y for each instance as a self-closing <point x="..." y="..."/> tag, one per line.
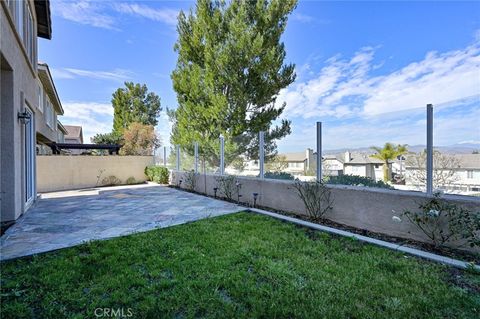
<point x="131" y="180"/>
<point x="444" y="222"/>
<point x="157" y="174"/>
<point x="356" y="180"/>
<point x="111" y="181"/>
<point x="316" y="197"/>
<point x="279" y="175"/>
<point x="226" y="185"/>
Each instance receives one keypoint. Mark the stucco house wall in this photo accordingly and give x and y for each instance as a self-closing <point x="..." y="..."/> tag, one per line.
<point x="18" y="79"/>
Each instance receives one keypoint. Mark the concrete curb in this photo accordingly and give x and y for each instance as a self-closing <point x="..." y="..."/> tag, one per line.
<point x="408" y="250"/>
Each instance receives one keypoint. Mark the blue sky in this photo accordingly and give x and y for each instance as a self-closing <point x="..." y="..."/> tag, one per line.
<point x="366" y="69"/>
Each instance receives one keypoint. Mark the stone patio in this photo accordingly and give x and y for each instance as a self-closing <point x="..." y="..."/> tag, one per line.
<point x="65" y="219"/>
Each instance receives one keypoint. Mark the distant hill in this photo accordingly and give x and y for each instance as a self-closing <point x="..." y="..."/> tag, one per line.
<point x="464" y="148"/>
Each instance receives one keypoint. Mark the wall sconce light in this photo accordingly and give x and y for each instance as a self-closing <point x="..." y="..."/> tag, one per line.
<point x="24" y="117"/>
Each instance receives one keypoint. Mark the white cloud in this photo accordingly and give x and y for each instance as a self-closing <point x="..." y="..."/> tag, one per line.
<point x="104" y="14"/>
<point x="92" y="116"/>
<point x="302" y="17"/>
<point x="345" y="87"/>
<point x="118" y="75"/>
<point x="450" y="128"/>
<point x="305" y="18"/>
<point x="84" y="12"/>
<point x="167" y="16"/>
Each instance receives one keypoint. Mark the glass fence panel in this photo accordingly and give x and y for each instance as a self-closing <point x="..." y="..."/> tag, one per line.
<point x="209" y="158"/>
<point x="376" y="149"/>
<point x="456" y="156"/>
<point x="171" y="158"/>
<point x="372" y="149"/>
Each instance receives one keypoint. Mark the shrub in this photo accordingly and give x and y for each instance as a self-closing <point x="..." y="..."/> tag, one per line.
<point x="139" y="139"/>
<point x="357" y="181"/>
<point x="443" y="222"/>
<point x="279" y="175"/>
<point x="131" y="180"/>
<point x="226" y="185"/>
<point x="191" y="180"/>
<point x="99" y="176"/>
<point x="316" y="197"/>
<point x="157" y="174"/>
<point x="111" y="180"/>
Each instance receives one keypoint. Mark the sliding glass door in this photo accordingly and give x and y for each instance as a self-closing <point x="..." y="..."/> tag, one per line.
<point x="29" y="158"/>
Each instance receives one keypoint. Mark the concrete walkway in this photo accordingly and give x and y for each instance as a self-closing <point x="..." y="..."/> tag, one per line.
<point x="65" y="219"/>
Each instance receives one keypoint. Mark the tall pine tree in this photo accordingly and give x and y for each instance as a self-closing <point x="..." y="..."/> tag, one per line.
<point x="132" y="104"/>
<point x="229" y="72"/>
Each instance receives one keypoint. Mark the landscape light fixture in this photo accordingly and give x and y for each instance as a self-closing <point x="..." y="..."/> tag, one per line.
<point x="255" y="196"/>
<point x="215" y="189"/>
<point x="238" y="191"/>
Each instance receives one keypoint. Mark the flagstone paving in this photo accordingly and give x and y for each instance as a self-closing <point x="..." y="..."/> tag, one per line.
<point x="60" y="221"/>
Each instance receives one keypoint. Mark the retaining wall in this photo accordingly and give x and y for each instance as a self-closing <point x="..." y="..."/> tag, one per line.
<point x="366" y="208"/>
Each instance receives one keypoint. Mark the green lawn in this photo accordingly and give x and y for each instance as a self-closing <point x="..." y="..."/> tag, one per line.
<point x="236" y="266"/>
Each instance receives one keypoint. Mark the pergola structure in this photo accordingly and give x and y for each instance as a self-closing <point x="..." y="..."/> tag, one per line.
<point x="57" y="147"/>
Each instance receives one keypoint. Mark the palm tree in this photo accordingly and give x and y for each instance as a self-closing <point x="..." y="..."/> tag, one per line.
<point x="389" y="152"/>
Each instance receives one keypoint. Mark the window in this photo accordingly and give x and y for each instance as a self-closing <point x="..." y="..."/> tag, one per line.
<point x="469" y="174"/>
<point x="49" y="114"/>
<point x="11" y="7"/>
<point x="40" y="98"/>
<point x="23" y="19"/>
<point x="20" y="8"/>
<point x="29" y="39"/>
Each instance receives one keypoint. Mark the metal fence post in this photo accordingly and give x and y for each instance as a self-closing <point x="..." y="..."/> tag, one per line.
<point x="222" y="155"/>
<point x="261" y="153"/>
<point x="178" y="157"/>
<point x="429" y="149"/>
<point x="165" y="156"/>
<point x="319" y="151"/>
<point x="195" y="149"/>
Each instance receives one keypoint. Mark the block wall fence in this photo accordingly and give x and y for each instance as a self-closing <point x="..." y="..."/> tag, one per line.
<point x="360" y="207"/>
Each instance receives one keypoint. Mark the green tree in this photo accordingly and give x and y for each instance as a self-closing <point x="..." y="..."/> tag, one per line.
<point x="277" y="163"/>
<point x="134" y="103"/>
<point x="389" y="152"/>
<point x="229" y="72"/>
<point x="107" y="138"/>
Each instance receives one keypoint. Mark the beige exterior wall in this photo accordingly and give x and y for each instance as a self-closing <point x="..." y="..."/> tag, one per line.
<point x="18" y="89"/>
<point x="60" y="172"/>
<point x="361" y="207"/>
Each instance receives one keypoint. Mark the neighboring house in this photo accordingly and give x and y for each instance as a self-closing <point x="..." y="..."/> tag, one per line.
<point x="363" y="165"/>
<point x="21" y="22"/>
<point x="332" y="165"/>
<point x="299" y="163"/>
<point x="50" y="107"/>
<point x="464" y="179"/>
<point x="74" y="136"/>
<point x="61" y="132"/>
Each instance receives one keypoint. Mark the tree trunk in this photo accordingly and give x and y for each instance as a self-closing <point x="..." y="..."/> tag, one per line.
<point x="386" y="174"/>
